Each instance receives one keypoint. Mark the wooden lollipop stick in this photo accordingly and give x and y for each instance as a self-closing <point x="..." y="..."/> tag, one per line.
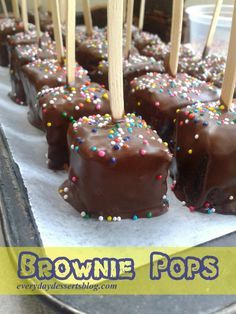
<point x="212" y="29"/>
<point x="63" y="11"/>
<point x="24" y="11"/>
<point x="16" y="11"/>
<point x="70" y="40"/>
<point x="175" y="38"/>
<point x="115" y="57"/>
<point x="57" y="31"/>
<point x="87" y="17"/>
<point x="36" y="18"/>
<point x="141" y="15"/>
<point x="130" y="12"/>
<point x="4" y="8"/>
<point x="124" y="11"/>
<point x="230" y="70"/>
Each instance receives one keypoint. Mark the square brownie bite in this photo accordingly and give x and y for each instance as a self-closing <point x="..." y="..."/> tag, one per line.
<point x="117" y="169"/>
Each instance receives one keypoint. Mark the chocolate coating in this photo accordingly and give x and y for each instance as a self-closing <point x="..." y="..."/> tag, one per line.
<point x="91" y="51"/>
<point x="160" y="51"/>
<point x="205" y="155"/>
<point x="116" y="169"/>
<point x="45" y="73"/>
<point x="143" y="39"/>
<point x="134" y="66"/>
<point x="21" y="38"/>
<point x="209" y="69"/>
<point x="57" y="107"/>
<point x="23" y="54"/>
<point x="156" y="97"/>
<point x="8" y="26"/>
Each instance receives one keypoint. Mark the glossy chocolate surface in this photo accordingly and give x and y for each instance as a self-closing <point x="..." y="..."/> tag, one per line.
<point x="136" y="65"/>
<point x="45" y="73"/>
<point x="23" y="54"/>
<point x="206" y="158"/>
<point x="8" y="26"/>
<point x="156" y="97"/>
<point x="116" y="169"/>
<point x="59" y="106"/>
<point x="92" y="50"/>
<point x="161" y="51"/>
<point x="143" y="39"/>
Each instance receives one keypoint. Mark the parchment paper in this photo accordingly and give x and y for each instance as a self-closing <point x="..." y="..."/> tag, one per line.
<point x="60" y="225"/>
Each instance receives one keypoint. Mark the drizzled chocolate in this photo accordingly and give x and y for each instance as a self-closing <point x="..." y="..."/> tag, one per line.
<point x="156" y="97"/>
<point x="45" y="73"/>
<point x="205" y="155"/>
<point x="117" y="170"/>
<point x="59" y="106"/>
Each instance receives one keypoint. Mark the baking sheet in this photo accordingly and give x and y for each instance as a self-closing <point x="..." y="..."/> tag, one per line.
<point x="60" y="225"/>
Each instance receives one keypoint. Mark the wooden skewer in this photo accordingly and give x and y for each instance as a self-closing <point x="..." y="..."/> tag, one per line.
<point x="48" y="5"/>
<point x="36" y="18"/>
<point x="16" y="11"/>
<point x="230" y="70"/>
<point x="87" y="17"/>
<point x="141" y="15"/>
<point x="57" y="31"/>
<point x="124" y="11"/>
<point x="176" y="31"/>
<point x="130" y="12"/>
<point x="24" y="11"/>
<point x="115" y="58"/>
<point x="70" y="40"/>
<point x="212" y="29"/>
<point x="4" y="8"/>
<point x="63" y="11"/>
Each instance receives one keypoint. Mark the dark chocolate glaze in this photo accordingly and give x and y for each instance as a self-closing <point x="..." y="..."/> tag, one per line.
<point x="45" y="18"/>
<point x="157" y="97"/>
<point x="59" y="106"/>
<point x="21" y="38"/>
<point x="8" y="26"/>
<point x="23" y="54"/>
<point x="160" y="51"/>
<point x="134" y="66"/>
<point x="210" y="69"/>
<point x="91" y="51"/>
<point x="143" y="39"/>
<point x="116" y="170"/>
<point x="205" y="155"/>
<point x="45" y="73"/>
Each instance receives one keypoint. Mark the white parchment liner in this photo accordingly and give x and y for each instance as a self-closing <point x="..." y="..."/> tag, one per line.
<point x="60" y="225"/>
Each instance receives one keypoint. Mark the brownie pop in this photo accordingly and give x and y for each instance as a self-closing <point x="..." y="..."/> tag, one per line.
<point x="59" y="106"/>
<point x="42" y="74"/>
<point x="118" y="165"/>
<point x="142" y="39"/>
<point x="134" y="65"/>
<point x="8" y="26"/>
<point x="205" y="148"/>
<point x="91" y="44"/>
<point x="24" y="48"/>
<point x="157" y="96"/>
